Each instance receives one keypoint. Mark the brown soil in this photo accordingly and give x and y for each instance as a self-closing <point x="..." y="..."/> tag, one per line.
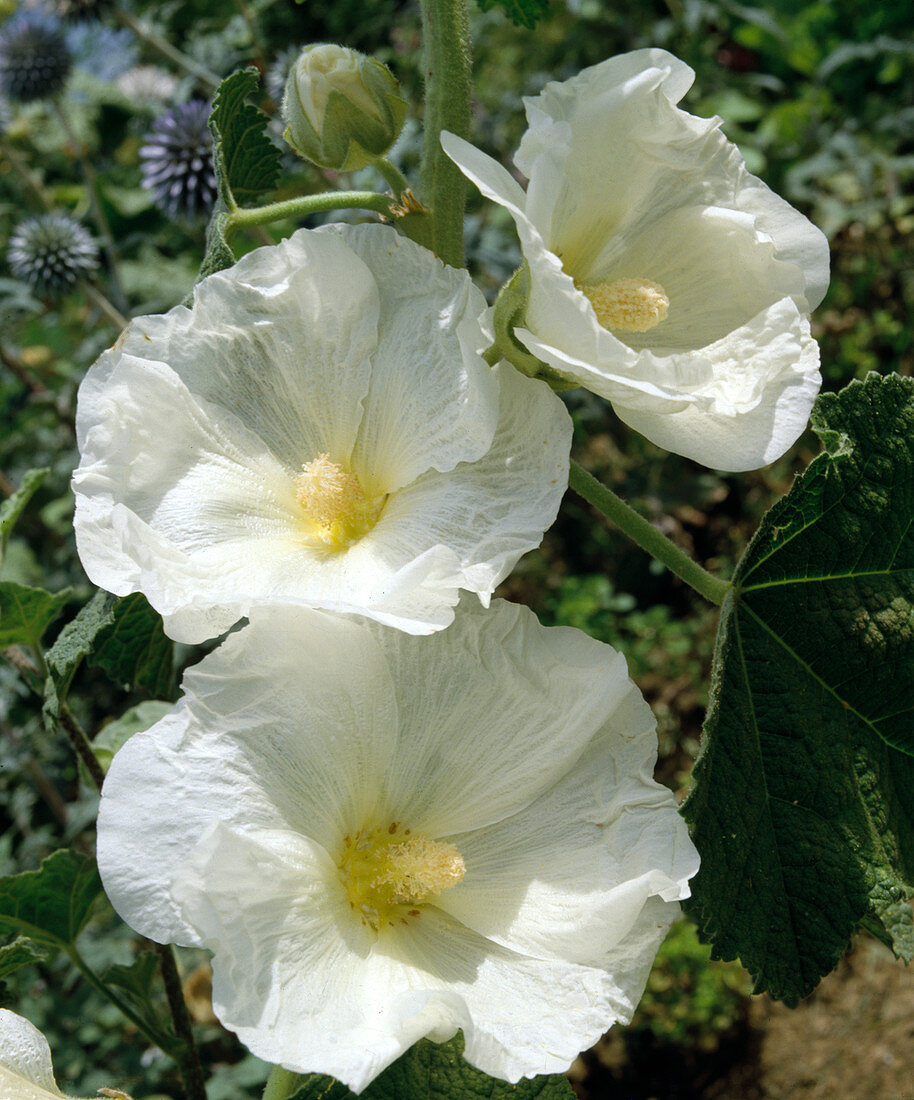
<point x="853" y="1039"/>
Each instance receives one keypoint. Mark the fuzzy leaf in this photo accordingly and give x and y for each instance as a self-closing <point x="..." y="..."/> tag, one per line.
<point x="247" y="163"/>
<point x="122" y="636"/>
<point x="801" y="801"/>
<point x="20" y="952"/>
<point x="525" y="13"/>
<point x="12" y="508"/>
<point x="437" y="1071"/>
<point x="26" y="613"/>
<point x="50" y="905"/>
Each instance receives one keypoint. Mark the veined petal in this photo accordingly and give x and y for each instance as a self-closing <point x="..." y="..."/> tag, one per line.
<point x="26" y="1072"/>
<point x="289" y="750"/>
<point x="576" y="890"/>
<point x="432" y="401"/>
<point x="765" y="379"/>
<point x="466" y="758"/>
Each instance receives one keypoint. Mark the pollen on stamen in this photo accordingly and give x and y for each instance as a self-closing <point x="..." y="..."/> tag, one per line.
<point x="628" y="305"/>
<point x="334" y="502"/>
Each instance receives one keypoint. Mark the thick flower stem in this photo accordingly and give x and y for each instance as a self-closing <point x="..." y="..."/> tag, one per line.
<point x="308" y="204"/>
<point x="448" y="83"/>
<point x="646" y="535"/>
<point x="282" y="1083"/>
<point x="189" y="1060"/>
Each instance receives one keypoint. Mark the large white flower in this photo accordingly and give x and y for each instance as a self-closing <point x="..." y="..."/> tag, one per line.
<point x="318" y="429"/>
<point x="664" y="276"/>
<point x="383" y="837"/>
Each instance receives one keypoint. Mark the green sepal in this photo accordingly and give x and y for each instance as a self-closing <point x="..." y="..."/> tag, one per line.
<point x="801" y="803"/>
<point x="51" y="905"/>
<point x="510" y="313"/>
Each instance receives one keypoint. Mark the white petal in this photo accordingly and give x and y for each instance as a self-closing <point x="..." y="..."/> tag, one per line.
<point x="492" y="511"/>
<point x="260" y="738"/>
<point x="569" y="876"/>
<point x="25" y="1060"/>
<point x="432" y="401"/>
<point x="492" y="711"/>
<point x="765" y="380"/>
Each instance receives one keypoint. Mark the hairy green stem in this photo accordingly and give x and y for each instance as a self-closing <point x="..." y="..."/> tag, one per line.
<point x="174" y="55"/>
<point x="80" y="742"/>
<point x="392" y="175"/>
<point x="307" y="204"/>
<point x="647" y="536"/>
<point x="189" y="1060"/>
<point x="282" y="1083"/>
<point x="448" y="85"/>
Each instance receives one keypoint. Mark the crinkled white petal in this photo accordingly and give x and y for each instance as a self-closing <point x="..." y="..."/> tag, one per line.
<point x="351" y="342"/>
<point x="306" y="985"/>
<point x="576" y="889"/>
<point x="287" y="724"/>
<point x="765" y="378"/>
<point x="26" y="1072"/>
<point x="625" y="185"/>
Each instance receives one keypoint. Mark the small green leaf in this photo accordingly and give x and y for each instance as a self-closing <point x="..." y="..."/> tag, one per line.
<point x="247" y="163"/>
<point x="801" y="803"/>
<point x="136" y="986"/>
<point x="122" y="636"/>
<point x="26" y="613"/>
<point x="12" y="508"/>
<point x="525" y="13"/>
<point x="20" y="952"/>
<point x="437" y="1071"/>
<point x="50" y="905"/>
<point x="114" y="734"/>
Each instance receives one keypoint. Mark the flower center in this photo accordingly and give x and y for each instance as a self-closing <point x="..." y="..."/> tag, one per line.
<point x="388" y="873"/>
<point x="627" y="305"/>
<point x="334" y="502"/>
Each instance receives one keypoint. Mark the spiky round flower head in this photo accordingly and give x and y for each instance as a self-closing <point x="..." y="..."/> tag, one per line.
<point x="34" y="59"/>
<point x="51" y="252"/>
<point x="177" y="160"/>
<point x="80" y="9"/>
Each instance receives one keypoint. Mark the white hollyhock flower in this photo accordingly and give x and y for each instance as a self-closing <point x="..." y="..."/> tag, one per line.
<point x="664" y="276"/>
<point x="26" y="1072"/>
<point x="319" y="430"/>
<point x="382" y="837"/>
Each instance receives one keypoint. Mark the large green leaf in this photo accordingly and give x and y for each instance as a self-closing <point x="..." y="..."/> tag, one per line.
<point x="11" y="508"/>
<point x="122" y="636"/>
<point x="20" y="952"/>
<point x="247" y="163"/>
<point x="801" y="805"/>
<point x="437" y="1071"/>
<point x="26" y="613"/>
<point x="526" y="13"/>
<point x="50" y="905"/>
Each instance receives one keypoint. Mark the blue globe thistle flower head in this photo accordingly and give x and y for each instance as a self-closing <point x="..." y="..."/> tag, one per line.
<point x="177" y="161"/>
<point x="51" y="252"/>
<point x="34" y="59"/>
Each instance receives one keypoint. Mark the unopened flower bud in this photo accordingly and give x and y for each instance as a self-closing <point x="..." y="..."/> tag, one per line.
<point x="341" y="108"/>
